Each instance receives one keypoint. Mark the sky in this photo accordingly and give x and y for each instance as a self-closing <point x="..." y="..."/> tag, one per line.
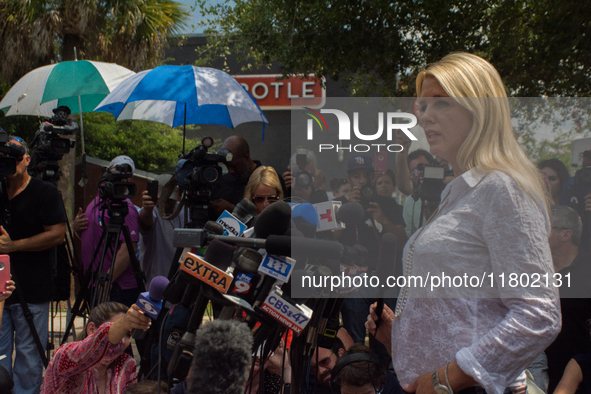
<point x="192" y="27"/>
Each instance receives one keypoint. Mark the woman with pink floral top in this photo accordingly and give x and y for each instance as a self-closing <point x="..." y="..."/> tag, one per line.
<point x="97" y="364"/>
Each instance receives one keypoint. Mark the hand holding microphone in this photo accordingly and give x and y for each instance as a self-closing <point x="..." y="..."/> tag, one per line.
<point x="150" y="302"/>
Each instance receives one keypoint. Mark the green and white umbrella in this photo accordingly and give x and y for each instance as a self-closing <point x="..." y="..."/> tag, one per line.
<point x="80" y="84"/>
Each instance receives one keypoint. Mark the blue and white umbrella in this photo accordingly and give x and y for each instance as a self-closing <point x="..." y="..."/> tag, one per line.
<point x="181" y="95"/>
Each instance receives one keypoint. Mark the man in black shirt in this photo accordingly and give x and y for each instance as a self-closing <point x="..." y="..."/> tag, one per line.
<point x="575" y="297"/>
<point x="383" y="215"/>
<point x="34" y="221"/>
<point x="230" y="190"/>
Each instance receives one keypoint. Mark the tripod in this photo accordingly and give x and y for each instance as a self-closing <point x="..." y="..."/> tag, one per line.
<point x="95" y="281"/>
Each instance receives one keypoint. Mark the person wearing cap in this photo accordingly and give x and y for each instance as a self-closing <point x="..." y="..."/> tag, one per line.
<point x="33" y="222"/>
<point x="89" y="225"/>
<point x="577" y="195"/>
<point x="383" y="214"/>
<point x="156" y="248"/>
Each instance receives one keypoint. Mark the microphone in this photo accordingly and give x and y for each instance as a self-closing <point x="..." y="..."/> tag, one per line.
<point x="245" y="211"/>
<point x="275" y="219"/>
<point x="351" y="213"/>
<point x="150" y="302"/>
<point x="214" y="227"/>
<point x="212" y="268"/>
<point x="231" y="224"/>
<point x="388" y="246"/>
<point x="306" y="219"/>
<point x="282" y="245"/>
<point x="222" y="355"/>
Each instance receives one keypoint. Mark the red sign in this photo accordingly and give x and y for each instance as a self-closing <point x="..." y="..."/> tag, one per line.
<point x="272" y="92"/>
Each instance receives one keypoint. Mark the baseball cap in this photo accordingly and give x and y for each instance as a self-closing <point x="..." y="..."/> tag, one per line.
<point x="64" y="108"/>
<point x="122" y="160"/>
<point x="359" y="161"/>
<point x="163" y="179"/>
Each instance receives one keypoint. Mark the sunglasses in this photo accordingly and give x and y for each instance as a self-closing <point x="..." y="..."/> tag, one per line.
<point x="262" y="199"/>
<point x="325" y="362"/>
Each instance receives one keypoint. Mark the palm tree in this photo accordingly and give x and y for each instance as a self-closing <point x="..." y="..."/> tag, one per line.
<point x="129" y="32"/>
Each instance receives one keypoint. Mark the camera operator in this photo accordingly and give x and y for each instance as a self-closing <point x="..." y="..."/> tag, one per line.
<point x="89" y="226"/>
<point x="576" y="193"/>
<point x="230" y="190"/>
<point x="157" y="250"/>
<point x="33" y="223"/>
<point x="429" y="177"/>
<point x="383" y="214"/>
<point x="300" y="177"/>
<point x="61" y="121"/>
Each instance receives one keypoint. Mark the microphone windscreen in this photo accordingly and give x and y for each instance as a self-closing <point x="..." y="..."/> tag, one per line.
<point x="306" y="229"/>
<point x="298" y="247"/>
<point x="245" y="210"/>
<point x="351" y="213"/>
<point x="214" y="227"/>
<point x="275" y="219"/>
<point x="157" y="286"/>
<point x="221" y="358"/>
<point x="219" y="254"/>
<point x="387" y="255"/>
<point x="307" y="212"/>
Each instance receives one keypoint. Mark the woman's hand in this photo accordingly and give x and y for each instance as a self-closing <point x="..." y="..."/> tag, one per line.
<point x="384" y="332"/>
<point x="10" y="286"/>
<point x="136" y="319"/>
<point x="458" y="380"/>
<point x="276" y="362"/>
<point x="133" y="319"/>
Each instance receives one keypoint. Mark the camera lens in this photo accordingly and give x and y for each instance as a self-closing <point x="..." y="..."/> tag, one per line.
<point x="210" y="174"/>
<point x="367" y="192"/>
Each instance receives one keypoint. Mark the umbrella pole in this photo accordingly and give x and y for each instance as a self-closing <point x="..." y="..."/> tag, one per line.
<point x="184" y="128"/>
<point x="81" y="121"/>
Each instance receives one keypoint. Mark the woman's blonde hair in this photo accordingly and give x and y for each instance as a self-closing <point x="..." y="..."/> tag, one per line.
<point x="491" y="145"/>
<point x="263" y="175"/>
<point x="102" y="313"/>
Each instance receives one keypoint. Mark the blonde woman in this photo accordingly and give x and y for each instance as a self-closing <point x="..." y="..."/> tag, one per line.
<point x="263" y="187"/>
<point x="492" y="219"/>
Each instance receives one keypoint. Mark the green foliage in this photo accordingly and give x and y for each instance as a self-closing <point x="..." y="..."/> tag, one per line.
<point x="540" y="47"/>
<point x="152" y="146"/>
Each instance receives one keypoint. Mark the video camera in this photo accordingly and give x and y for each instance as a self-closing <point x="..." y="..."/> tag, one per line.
<point x="431" y="183"/>
<point x="583" y="176"/>
<point x="303" y="178"/>
<point x="47" y="140"/>
<point x="199" y="169"/>
<point x="112" y="187"/>
<point x="10" y="154"/>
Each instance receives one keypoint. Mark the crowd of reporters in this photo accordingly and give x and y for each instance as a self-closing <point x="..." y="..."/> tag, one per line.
<point x="224" y="358"/>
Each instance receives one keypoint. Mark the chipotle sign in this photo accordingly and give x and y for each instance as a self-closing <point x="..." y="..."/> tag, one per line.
<point x="272" y="92"/>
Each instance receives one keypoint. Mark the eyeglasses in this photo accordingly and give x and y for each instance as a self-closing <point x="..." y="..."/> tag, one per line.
<point x="264" y="199"/>
<point x="325" y="362"/>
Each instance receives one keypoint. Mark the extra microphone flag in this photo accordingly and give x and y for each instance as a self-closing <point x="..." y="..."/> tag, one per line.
<point x="206" y="272"/>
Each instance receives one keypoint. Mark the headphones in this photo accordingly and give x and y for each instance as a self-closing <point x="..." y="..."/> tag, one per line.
<point x="350" y="359"/>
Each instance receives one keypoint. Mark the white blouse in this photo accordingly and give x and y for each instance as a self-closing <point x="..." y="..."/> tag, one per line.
<point x="487" y="226"/>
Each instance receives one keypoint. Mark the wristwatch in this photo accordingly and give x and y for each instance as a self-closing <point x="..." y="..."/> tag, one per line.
<point x="438" y="387"/>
